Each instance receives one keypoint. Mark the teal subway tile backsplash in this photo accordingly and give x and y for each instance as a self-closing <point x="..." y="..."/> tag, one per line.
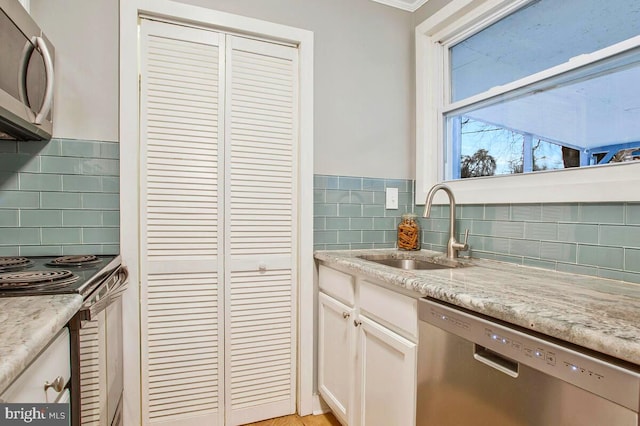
<point x="35" y="149"/>
<point x="345" y="182"/>
<point x="602" y="213"/>
<point x="353" y="211"/>
<point x="75" y="218"/>
<point x="59" y="197"/>
<point x="614" y="235"/>
<point x="560" y="212"/>
<point x="605" y="257"/>
<point x="9" y="218"/>
<point x="77" y="183"/>
<point x="40" y="218"/>
<point x="82" y="149"/>
<point x="60" y="200"/>
<point x="349" y="210"/>
<point x="100" y="235"/>
<point x="19" y="200"/>
<point x="52" y="236"/>
<point x="61" y="165"/>
<point x="632" y="214"/>
<point x="9" y="180"/>
<point x="14" y="163"/>
<point x="598" y="239"/>
<point x="39" y="182"/>
<point x="370" y="184"/>
<point x="528" y="212"/>
<point x="541" y="231"/>
<point x="101" y="201"/>
<point x="632" y="260"/>
<point x="19" y="236"/>
<point x="578" y="232"/>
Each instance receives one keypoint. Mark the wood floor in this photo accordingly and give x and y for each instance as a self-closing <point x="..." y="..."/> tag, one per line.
<point x="295" y="420"/>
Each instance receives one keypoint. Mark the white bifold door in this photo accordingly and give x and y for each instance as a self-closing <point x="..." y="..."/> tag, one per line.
<point x="218" y="221"/>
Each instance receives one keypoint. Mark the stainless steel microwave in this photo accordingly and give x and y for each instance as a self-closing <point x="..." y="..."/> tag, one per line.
<point x="26" y="76"/>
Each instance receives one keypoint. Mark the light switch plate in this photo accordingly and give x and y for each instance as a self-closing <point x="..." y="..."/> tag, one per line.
<point x="392" y="199"/>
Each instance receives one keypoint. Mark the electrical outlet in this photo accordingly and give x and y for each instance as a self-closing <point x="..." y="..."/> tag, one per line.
<point x="392" y="199"/>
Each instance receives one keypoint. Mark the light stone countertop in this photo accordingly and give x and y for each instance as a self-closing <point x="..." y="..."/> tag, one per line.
<point x="595" y="313"/>
<point x="27" y="325"/>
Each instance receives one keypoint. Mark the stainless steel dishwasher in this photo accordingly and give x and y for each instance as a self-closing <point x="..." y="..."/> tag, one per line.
<point x="475" y="371"/>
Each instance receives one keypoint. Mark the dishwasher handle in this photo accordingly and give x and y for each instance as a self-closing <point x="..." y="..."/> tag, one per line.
<point x="496" y="361"/>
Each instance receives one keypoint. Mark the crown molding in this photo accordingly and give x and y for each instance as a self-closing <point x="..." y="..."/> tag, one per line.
<point x="409" y="6"/>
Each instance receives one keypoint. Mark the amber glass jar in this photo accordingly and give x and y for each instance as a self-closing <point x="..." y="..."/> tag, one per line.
<point x="409" y="232"/>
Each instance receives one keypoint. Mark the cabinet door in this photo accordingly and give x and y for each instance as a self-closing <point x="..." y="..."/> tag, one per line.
<point x="387" y="376"/>
<point x="335" y="355"/>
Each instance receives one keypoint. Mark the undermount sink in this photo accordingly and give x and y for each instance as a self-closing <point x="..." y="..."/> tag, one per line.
<point x="413" y="264"/>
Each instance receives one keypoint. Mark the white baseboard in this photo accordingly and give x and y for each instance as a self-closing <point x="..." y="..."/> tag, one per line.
<point x="319" y="406"/>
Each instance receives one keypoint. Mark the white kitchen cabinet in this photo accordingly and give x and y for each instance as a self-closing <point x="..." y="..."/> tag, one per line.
<point x="387" y="376"/>
<point x="366" y="351"/>
<point x="336" y="354"/>
<point x="43" y="381"/>
<point x="218" y="222"/>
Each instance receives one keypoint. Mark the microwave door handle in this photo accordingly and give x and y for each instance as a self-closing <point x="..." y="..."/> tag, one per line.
<point x="48" y="68"/>
<point x="22" y="77"/>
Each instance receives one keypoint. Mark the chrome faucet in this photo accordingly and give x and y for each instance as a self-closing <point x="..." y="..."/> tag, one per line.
<point x="453" y="246"/>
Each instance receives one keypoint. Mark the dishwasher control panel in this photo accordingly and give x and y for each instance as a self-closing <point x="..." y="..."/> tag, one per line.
<point x="508" y="347"/>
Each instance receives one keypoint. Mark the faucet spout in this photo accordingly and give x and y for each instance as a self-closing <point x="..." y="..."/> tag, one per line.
<point x="453" y="246"/>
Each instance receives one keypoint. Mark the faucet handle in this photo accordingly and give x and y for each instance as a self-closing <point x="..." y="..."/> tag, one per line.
<point x="462" y="246"/>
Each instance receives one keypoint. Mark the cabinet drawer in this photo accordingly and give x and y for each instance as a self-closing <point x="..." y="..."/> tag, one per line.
<point x="395" y="310"/>
<point x="337" y="284"/>
<point x="52" y="362"/>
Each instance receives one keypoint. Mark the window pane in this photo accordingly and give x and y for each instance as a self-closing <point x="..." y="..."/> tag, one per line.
<point x="543" y="34"/>
<point x="488" y="150"/>
<point x="551" y="156"/>
<point x="587" y="117"/>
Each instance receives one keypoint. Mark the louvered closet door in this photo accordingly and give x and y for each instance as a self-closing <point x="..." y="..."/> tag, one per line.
<point x="180" y="236"/>
<point x="261" y="173"/>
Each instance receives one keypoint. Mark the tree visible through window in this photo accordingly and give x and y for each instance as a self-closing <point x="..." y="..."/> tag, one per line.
<point x="586" y="116"/>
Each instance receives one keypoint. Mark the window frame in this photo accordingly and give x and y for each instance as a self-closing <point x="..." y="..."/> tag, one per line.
<point x="455" y="22"/>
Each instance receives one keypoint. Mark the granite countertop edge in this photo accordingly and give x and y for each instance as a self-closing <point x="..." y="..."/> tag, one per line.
<point x="27" y="326"/>
<point x="595" y="313"/>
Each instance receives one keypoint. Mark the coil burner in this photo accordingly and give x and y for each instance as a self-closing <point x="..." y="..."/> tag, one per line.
<point x="14" y="263"/>
<point x="35" y="280"/>
<point x="78" y="260"/>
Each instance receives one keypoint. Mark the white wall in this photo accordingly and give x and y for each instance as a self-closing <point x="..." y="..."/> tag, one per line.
<point x="428" y="9"/>
<point x="363" y="80"/>
<point x="363" y="75"/>
<point x="85" y="35"/>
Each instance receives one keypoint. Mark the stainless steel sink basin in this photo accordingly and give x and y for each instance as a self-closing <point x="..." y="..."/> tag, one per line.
<point x="413" y="264"/>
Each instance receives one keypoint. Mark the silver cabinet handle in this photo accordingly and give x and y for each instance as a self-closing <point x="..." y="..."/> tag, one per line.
<point x="48" y="68"/>
<point x="346" y="315"/>
<point x="57" y="384"/>
<point x="357" y="323"/>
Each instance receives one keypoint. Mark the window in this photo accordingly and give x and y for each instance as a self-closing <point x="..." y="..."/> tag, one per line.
<point x="522" y="94"/>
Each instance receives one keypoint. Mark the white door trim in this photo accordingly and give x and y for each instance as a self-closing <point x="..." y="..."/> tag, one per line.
<point x="130" y="10"/>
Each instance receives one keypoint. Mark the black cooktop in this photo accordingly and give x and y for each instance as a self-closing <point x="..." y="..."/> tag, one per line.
<point x="39" y="275"/>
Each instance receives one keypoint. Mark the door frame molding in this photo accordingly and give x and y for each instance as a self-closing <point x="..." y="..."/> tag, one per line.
<point x="129" y="131"/>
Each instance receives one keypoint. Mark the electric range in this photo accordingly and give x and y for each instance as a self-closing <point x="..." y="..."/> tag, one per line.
<point x="41" y="275"/>
<point x="101" y="281"/>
